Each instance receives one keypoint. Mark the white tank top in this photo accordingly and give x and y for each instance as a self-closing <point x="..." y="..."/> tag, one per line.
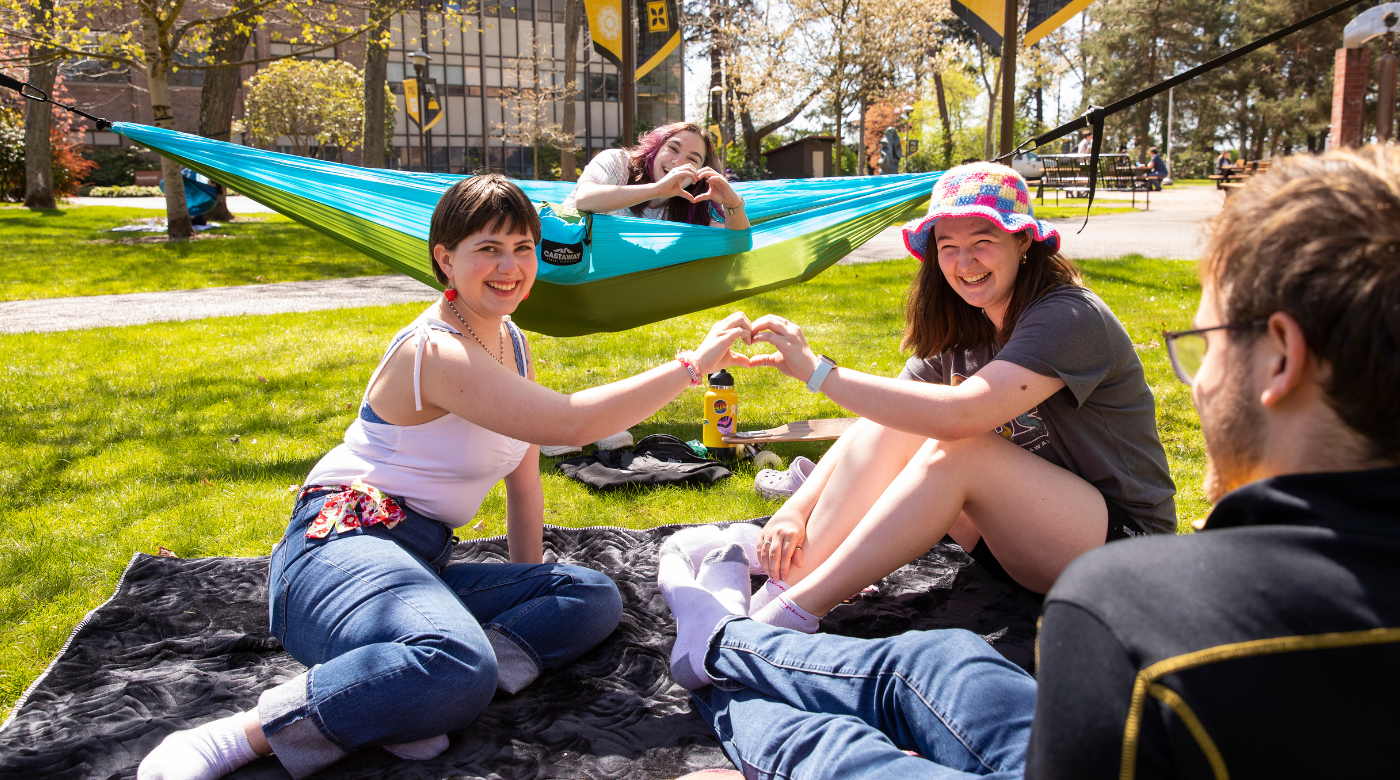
<point x="442" y="469"/>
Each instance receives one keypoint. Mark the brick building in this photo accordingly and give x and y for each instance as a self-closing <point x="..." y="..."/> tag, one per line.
<point x="471" y="66"/>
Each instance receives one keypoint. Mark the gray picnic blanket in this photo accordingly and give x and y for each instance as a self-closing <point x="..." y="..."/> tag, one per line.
<point x="185" y="641"/>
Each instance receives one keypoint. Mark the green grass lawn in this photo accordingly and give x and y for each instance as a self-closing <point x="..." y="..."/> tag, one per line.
<point x="187" y="435"/>
<point x="1050" y="211"/>
<point x="60" y="252"/>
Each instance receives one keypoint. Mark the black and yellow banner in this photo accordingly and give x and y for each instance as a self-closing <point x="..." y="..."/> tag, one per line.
<point x="659" y="23"/>
<point x="1045" y="16"/>
<point x="986" y="17"/>
<point x="432" y="107"/>
<point x="605" y="28"/>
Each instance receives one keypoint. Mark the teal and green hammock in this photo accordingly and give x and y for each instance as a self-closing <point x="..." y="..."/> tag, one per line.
<point x="624" y="272"/>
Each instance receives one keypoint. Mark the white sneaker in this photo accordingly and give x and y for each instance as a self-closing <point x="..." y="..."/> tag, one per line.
<point x="616" y="441"/>
<point x="779" y="485"/>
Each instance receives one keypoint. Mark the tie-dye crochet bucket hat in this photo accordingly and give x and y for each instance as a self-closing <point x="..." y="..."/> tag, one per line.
<point x="994" y="192"/>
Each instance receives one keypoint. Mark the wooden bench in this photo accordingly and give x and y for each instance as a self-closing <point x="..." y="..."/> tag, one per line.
<point x="1069" y="173"/>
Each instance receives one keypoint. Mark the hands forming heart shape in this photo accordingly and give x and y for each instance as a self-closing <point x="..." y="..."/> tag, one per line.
<point x="794" y="357"/>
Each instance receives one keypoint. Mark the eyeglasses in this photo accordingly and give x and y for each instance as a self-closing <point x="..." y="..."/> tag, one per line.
<point x="1187" y="348"/>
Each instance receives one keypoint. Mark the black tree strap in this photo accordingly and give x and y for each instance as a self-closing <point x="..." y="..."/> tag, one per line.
<point x="1095" y="115"/>
<point x="30" y="92"/>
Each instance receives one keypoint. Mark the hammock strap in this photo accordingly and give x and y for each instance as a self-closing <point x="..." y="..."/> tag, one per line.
<point x="30" y="92"/>
<point x="1095" y="115"/>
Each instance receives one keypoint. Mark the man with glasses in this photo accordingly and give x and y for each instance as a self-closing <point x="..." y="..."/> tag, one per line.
<point x="1268" y="645"/>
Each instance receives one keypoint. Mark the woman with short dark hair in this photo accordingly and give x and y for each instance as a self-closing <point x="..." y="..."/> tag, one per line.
<point x="402" y="645"/>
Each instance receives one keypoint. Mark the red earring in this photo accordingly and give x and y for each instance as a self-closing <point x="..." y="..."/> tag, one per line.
<point x="450" y="294"/>
<point x="526" y="298"/>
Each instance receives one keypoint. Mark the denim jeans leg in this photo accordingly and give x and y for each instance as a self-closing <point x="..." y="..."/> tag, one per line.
<point x="771" y="740"/>
<point x="538" y="617"/>
<point x="393" y="654"/>
<point x="944" y="694"/>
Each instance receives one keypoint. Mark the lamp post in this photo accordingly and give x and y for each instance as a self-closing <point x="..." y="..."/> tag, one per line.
<point x="420" y="68"/>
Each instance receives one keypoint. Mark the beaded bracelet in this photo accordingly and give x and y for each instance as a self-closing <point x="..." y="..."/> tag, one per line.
<point x="689" y="363"/>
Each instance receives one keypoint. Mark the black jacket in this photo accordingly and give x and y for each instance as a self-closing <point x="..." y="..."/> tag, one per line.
<point x="1267" y="645"/>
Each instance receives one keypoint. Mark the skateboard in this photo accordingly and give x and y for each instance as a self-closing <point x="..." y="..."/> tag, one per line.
<point x="801" y="430"/>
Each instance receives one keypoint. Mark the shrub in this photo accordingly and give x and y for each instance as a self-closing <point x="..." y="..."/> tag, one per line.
<point x="69" y="167"/>
<point x="128" y="191"/>
<point x="115" y="165"/>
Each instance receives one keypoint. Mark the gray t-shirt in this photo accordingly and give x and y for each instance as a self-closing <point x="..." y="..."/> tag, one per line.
<point x="1102" y="425"/>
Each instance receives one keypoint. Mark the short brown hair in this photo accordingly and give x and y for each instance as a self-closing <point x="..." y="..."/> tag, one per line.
<point x="937" y="319"/>
<point x="1319" y="238"/>
<point x="487" y="201"/>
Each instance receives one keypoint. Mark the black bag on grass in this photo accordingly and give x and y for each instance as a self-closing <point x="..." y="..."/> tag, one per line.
<point x="659" y="459"/>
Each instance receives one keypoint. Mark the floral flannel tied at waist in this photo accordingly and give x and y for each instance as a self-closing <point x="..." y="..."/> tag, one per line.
<point x="352" y="506"/>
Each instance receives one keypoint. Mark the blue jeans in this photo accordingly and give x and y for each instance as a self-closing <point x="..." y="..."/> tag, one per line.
<point x="402" y="646"/>
<point x="793" y="705"/>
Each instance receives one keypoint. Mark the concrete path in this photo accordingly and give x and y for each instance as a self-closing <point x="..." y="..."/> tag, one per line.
<point x="1170" y="229"/>
<point x="238" y="204"/>
<point x="98" y="311"/>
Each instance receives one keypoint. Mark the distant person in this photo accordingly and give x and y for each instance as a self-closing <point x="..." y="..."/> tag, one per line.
<point x="1086" y="144"/>
<point x="1264" y="646"/>
<point x="730" y="176"/>
<point x="1123" y="147"/>
<point x="1156" y="170"/>
<point x="1222" y="163"/>
<point x="671" y="174"/>
<point x="1066" y="146"/>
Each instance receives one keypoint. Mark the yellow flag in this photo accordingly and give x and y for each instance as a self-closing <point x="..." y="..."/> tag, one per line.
<point x="1045" y="16"/>
<point x="987" y="17"/>
<point x="605" y="28"/>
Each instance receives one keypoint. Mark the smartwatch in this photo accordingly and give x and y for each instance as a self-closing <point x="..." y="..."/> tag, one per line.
<point x="824" y="366"/>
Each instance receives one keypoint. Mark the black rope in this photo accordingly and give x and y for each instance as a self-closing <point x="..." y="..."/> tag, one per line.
<point x="30" y="92"/>
<point x="1094" y="117"/>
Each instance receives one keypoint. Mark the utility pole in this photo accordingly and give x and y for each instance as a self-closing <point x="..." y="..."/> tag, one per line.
<point x="628" y="75"/>
<point x="1008" y="79"/>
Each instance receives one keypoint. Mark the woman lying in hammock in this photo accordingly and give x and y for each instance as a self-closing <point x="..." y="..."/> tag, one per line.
<point x="403" y="646"/>
<point x="1027" y="433"/>
<point x="672" y="174"/>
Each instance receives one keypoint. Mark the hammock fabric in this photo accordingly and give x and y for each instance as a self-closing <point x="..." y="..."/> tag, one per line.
<point x="605" y="273"/>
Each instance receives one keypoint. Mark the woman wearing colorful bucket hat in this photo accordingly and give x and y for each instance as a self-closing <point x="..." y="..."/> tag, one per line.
<point x="1028" y="432"/>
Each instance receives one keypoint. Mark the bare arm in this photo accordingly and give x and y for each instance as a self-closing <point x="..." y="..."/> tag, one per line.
<point x="999" y="392"/>
<point x="525" y="510"/>
<point x="458" y="377"/>
<point x="595" y="197"/>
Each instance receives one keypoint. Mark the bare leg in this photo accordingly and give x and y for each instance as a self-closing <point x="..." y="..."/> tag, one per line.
<point x="1035" y="516"/>
<point x="862" y="470"/>
<point x="252" y="729"/>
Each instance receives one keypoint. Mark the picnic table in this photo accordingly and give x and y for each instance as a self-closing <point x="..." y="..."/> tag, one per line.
<point x="1231" y="177"/>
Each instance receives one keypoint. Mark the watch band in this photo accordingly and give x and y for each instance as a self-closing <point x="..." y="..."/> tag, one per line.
<point x="824" y="366"/>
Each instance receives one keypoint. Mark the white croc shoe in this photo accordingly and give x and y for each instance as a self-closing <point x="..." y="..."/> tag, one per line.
<point x="778" y="485"/>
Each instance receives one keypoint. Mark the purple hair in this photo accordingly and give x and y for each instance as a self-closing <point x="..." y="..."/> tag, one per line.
<point x="643" y="160"/>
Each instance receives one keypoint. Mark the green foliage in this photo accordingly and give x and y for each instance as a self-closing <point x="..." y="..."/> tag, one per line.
<point x="131" y="191"/>
<point x="116" y="165"/>
<point x="312" y="102"/>
<point x="187" y="435"/>
<point x="70" y="251"/>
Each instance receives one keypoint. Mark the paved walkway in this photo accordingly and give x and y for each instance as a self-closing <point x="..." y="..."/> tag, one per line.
<point x="98" y="311"/>
<point x="1170" y="229"/>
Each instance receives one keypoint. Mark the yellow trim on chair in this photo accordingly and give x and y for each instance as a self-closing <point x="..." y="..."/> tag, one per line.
<point x="1284" y="644"/>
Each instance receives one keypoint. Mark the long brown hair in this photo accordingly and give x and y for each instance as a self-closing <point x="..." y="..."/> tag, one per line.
<point x="643" y="156"/>
<point x="938" y="320"/>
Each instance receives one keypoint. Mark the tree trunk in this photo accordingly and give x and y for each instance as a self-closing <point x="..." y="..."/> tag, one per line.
<point x="217" y="98"/>
<point x="376" y="76"/>
<point x="838" y="105"/>
<point x="568" y="166"/>
<point x="177" y="217"/>
<point x="38" y="149"/>
<point x="716" y="69"/>
<point x="38" y="146"/>
<point x="943" y="116"/>
<point x="864" y="161"/>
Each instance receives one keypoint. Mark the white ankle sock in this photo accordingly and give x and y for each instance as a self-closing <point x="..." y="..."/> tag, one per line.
<point x="725" y="574"/>
<point x="420" y="750"/>
<point x="202" y="753"/>
<point x="693" y="544"/>
<point x="769" y="591"/>
<point x="746" y="535"/>
<point x="697" y="612"/>
<point x="783" y="613"/>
